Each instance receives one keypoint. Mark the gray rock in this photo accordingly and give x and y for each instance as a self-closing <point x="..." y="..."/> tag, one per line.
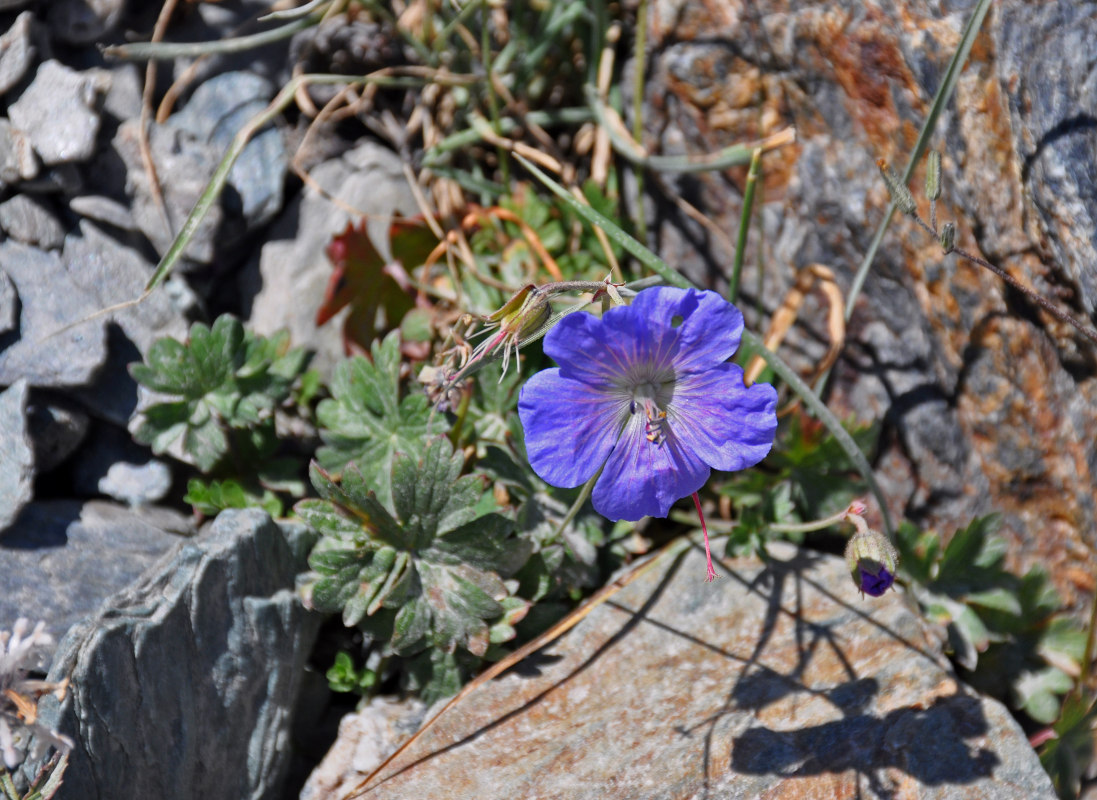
<point x="776" y="681"/>
<point x="48" y="352"/>
<point x="57" y="428"/>
<point x="216" y="111"/>
<point x="16" y="455"/>
<point x="366" y="738"/>
<point x="1017" y="141"/>
<point x="30" y="221"/>
<point x="58" y="112"/>
<point x="9" y="304"/>
<point x="105" y="210"/>
<point x="183" y="166"/>
<point x="17" y="51"/>
<point x="17" y="159"/>
<point x="288" y="282"/>
<point x="63" y="558"/>
<point x="1053" y="112"/>
<point x="83" y="21"/>
<point x="123" y="98"/>
<point x="114" y="274"/>
<point x="184" y="684"/>
<point x="137" y="484"/>
<point x="107" y="444"/>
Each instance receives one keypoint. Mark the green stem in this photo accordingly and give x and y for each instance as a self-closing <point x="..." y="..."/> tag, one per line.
<point x="584" y="495"/>
<point x="940" y="100"/>
<point x="167" y="51"/>
<point x="744" y="224"/>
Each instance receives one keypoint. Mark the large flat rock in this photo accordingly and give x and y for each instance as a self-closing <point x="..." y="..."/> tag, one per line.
<point x="777" y="681"/>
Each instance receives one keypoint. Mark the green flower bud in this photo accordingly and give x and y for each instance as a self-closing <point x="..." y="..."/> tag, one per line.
<point x="948" y="237"/>
<point x="872" y="560"/>
<point x="933" y="175"/>
<point x="900" y="194"/>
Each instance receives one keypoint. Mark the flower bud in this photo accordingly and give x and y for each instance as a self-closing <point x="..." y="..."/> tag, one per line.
<point x="873" y="561"/>
<point x="948" y="237"/>
<point x="900" y="194"/>
<point x="933" y="175"/>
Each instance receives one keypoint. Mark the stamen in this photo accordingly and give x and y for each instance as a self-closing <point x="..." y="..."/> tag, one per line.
<point x="656" y="426"/>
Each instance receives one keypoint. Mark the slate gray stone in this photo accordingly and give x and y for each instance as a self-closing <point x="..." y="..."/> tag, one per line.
<point x="17" y="159"/>
<point x="114" y="273"/>
<point x="184" y="684"/>
<point x="16" y="455"/>
<point x="1054" y="111"/>
<point x="106" y="445"/>
<point x="63" y="558"/>
<point x="9" y="304"/>
<point x="183" y="166"/>
<point x="137" y="484"/>
<point x="17" y="51"/>
<point x="287" y="285"/>
<point x="83" y="21"/>
<point x="58" y="111"/>
<point x="104" y="210"/>
<point x="29" y="220"/>
<point x="216" y="111"/>
<point x="57" y="428"/>
<point x="777" y="680"/>
<point x="46" y="351"/>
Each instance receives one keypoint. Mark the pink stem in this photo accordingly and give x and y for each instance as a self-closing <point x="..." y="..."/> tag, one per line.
<point x="704" y="529"/>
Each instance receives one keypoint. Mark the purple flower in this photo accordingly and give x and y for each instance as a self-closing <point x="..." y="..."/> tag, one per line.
<point x="647" y="391"/>
<point x="874" y="584"/>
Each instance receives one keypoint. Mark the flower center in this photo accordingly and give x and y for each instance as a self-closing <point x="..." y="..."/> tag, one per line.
<point x="644" y="397"/>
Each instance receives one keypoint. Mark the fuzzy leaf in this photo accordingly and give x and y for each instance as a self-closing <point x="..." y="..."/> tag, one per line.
<point x="221" y="379"/>
<point x="366" y="421"/>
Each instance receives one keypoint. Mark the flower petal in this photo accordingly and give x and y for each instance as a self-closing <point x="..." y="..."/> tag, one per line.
<point x="707" y="331"/>
<point x="641" y="479"/>
<point x="724" y="423"/>
<point x="570" y="427"/>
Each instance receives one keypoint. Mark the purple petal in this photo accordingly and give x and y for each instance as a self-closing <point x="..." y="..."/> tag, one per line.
<point x="708" y="331"/>
<point x="725" y="424"/>
<point x="570" y="427"/>
<point x="644" y="480"/>
<point x="580" y="346"/>
<point x="875" y="585"/>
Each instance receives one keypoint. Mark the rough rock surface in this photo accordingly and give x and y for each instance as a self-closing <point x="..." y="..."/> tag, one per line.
<point x="776" y="681"/>
<point x="58" y="111"/>
<point x="293" y="271"/>
<point x="211" y="640"/>
<point x="987" y="403"/>
<point x="46" y="351"/>
<point x="16" y="455"/>
<point x="17" y="51"/>
<point x="63" y="558"/>
<point x="57" y="428"/>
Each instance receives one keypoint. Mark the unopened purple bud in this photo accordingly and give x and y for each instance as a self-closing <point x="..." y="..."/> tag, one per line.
<point x="873" y="561"/>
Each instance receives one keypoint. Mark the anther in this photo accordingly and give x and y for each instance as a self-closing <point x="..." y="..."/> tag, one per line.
<point x="656" y="426"/>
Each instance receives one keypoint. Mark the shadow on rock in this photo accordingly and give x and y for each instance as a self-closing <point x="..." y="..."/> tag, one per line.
<point x="926" y="743"/>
